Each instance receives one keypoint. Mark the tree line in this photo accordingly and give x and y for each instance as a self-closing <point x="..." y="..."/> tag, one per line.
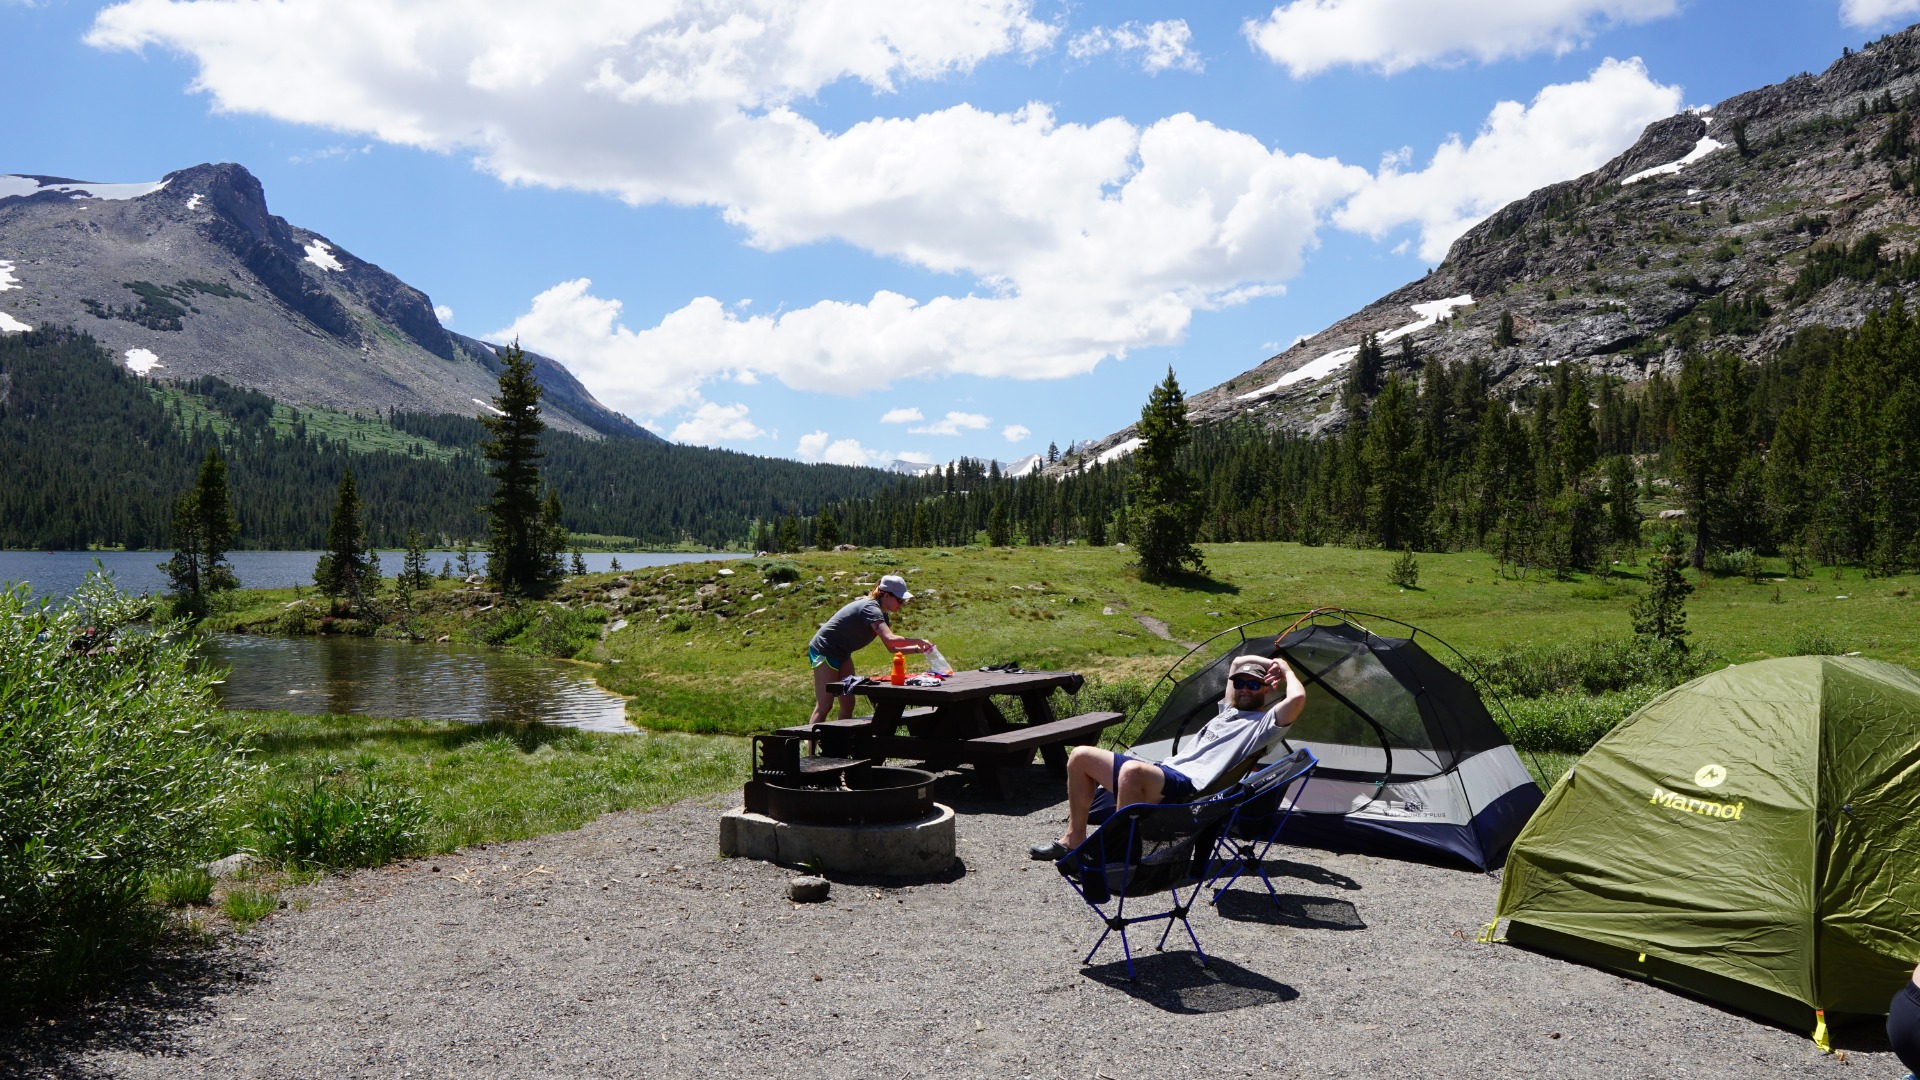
<point x="1812" y="453"/>
<point x="96" y="455"/>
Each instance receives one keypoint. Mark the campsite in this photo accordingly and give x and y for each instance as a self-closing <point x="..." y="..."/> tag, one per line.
<point x="1363" y="960"/>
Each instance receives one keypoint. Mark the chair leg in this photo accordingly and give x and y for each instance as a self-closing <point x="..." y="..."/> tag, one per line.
<point x="1088" y="959"/>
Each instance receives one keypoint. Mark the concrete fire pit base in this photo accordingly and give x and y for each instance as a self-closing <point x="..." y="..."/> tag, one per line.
<point x="904" y="849"/>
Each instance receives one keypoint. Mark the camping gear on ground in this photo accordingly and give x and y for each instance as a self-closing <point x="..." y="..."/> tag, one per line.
<point x="1150" y="848"/>
<point x="1749" y="837"/>
<point x="1411" y="762"/>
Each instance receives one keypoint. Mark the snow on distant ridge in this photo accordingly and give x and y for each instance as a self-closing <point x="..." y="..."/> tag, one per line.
<point x="322" y="256"/>
<point x="13" y="184"/>
<point x="486" y="406"/>
<point x="9" y="324"/>
<point x="1032" y="463"/>
<point x="1119" y="450"/>
<point x="193" y="201"/>
<point x="1430" y="312"/>
<point x="141" y="361"/>
<point x="1705" y="146"/>
<point x="7" y="280"/>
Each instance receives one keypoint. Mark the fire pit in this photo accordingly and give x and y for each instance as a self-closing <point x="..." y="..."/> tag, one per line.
<point x="851" y="815"/>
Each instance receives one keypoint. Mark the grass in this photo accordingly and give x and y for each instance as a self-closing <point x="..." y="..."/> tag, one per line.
<point x="246" y="905"/>
<point x="474" y="783"/>
<point x="739" y="665"/>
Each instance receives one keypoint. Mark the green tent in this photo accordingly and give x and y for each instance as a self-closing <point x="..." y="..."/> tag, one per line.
<point x="1752" y="837"/>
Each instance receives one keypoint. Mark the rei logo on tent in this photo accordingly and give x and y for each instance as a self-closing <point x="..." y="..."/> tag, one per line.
<point x="1710" y="775"/>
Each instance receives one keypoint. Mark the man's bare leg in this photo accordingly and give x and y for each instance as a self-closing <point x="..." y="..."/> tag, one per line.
<point x="1090" y="768"/>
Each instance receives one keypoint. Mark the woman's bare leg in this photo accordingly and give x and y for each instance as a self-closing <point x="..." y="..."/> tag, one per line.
<point x="847" y="671"/>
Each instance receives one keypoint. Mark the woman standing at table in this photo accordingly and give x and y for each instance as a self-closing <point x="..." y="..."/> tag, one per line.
<point x="830" y="653"/>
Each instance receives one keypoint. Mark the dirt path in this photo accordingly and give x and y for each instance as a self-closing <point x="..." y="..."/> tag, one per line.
<point x="628" y="949"/>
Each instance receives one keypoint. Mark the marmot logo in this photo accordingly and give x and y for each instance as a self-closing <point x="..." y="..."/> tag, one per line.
<point x="1710" y="776"/>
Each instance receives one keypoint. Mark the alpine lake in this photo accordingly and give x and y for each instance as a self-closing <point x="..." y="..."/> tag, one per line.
<point x="357" y="676"/>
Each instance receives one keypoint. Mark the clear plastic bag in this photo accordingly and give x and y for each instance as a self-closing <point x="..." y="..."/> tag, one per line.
<point x="937" y="663"/>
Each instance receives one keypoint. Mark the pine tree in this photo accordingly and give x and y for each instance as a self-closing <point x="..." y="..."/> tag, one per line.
<point x="788" y="536"/>
<point x="579" y="563"/>
<point x="518" y="555"/>
<point x="413" y="567"/>
<point x="465" y="555"/>
<point x="347" y="568"/>
<point x="998" y="532"/>
<point x="1660" y="614"/>
<point x="1166" y="505"/>
<point x="826" y="532"/>
<point x="1394" y="510"/>
<point x="1503" y="336"/>
<point x="614" y="563"/>
<point x="204" y="528"/>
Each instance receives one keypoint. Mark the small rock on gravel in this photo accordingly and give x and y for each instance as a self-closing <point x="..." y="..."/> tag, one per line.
<point x="808" y="890"/>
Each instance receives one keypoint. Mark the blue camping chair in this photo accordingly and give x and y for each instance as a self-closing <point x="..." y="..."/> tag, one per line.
<point x="1150" y="848"/>
<point x="1256" y="825"/>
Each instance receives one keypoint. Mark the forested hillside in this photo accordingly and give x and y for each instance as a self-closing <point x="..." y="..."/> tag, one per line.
<point x="94" y="455"/>
<point x="1814" y="453"/>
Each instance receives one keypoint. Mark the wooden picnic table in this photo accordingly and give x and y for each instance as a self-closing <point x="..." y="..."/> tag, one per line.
<point x="957" y="722"/>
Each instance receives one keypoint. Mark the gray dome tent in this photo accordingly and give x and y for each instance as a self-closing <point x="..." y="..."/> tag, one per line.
<point x="1411" y="762"/>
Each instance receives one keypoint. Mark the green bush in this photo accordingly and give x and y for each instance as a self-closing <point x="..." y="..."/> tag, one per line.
<point x="109" y="780"/>
<point x="776" y="571"/>
<point x="334" y="824"/>
<point x="1595" y="666"/>
<point x="1569" y="722"/>
<point x="539" y="629"/>
<point x="1815" y="643"/>
<point x="246" y="906"/>
<point x="187" y="886"/>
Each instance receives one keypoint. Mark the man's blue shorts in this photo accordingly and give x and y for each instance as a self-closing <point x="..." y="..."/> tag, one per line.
<point x="1179" y="788"/>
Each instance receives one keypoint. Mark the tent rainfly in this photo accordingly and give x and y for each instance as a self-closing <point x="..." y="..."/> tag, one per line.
<point x="1748" y="838"/>
<point x="1411" y="762"/>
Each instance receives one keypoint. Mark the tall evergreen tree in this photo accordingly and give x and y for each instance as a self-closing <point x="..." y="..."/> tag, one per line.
<point x="826" y="532"/>
<point x="1660" y="613"/>
<point x="204" y="527"/>
<point x="413" y="566"/>
<point x="1394" y="469"/>
<point x="347" y="568"/>
<point x="1166" y="505"/>
<point x="518" y="554"/>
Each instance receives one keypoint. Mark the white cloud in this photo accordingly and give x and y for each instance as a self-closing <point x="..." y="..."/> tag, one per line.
<point x="330" y="153"/>
<point x="819" y="446"/>
<point x="915" y="456"/>
<point x="1865" y="13"/>
<point x="443" y="313"/>
<point x="1159" y="45"/>
<point x="1016" y="432"/>
<point x="1569" y="129"/>
<point x="1084" y="241"/>
<point x="1311" y="36"/>
<point x="711" y="425"/>
<point x="901" y="416"/>
<point x="953" y="423"/>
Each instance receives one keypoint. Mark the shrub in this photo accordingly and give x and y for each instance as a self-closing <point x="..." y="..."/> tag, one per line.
<point x="539" y="629"/>
<point x="776" y="571"/>
<point x="1815" y="643"/>
<point x="333" y="824"/>
<point x="110" y="778"/>
<point x="188" y="886"/>
<point x="1595" y="666"/>
<point x="246" y="906"/>
<point x="1406" y="570"/>
<point x="1569" y="722"/>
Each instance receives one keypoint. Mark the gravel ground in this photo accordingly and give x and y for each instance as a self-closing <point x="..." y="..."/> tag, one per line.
<point x="628" y="949"/>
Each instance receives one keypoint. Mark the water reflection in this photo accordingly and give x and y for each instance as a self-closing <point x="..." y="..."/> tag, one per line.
<point x="369" y="677"/>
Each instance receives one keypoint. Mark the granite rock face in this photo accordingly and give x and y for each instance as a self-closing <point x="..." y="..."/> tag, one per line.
<point x="195" y="276"/>
<point x="1620" y="269"/>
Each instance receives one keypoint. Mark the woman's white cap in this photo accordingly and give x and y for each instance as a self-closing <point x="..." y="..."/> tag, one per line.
<point x="897" y="585"/>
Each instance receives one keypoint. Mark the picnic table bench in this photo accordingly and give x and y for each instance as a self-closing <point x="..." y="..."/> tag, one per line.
<point x="957" y="723"/>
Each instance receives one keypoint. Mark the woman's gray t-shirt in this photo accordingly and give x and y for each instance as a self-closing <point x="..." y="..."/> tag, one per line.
<point x="849" y="630"/>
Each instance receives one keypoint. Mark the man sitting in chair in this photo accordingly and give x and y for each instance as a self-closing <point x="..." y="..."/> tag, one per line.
<point x="1244" y="724"/>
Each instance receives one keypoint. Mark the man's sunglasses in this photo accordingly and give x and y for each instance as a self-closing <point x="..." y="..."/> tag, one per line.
<point x="1247" y="682"/>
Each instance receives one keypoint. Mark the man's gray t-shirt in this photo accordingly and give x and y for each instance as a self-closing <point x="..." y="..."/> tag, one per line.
<point x="1226" y="740"/>
<point x="849" y="630"/>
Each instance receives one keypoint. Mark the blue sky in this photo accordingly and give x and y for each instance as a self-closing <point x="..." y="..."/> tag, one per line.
<point x="866" y="230"/>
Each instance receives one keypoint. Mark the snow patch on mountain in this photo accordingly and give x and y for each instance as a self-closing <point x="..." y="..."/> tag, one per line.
<point x="13" y="185"/>
<point x="1431" y="313"/>
<point x="1705" y="146"/>
<point x="322" y="256"/>
<point x="9" y="324"/>
<point x="1032" y="463"/>
<point x="488" y="407"/>
<point x="193" y="201"/>
<point x="1119" y="450"/>
<point x="7" y="280"/>
<point x="141" y="361"/>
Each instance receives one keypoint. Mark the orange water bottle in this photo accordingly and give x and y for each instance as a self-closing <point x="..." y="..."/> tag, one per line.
<point x="899" y="669"/>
